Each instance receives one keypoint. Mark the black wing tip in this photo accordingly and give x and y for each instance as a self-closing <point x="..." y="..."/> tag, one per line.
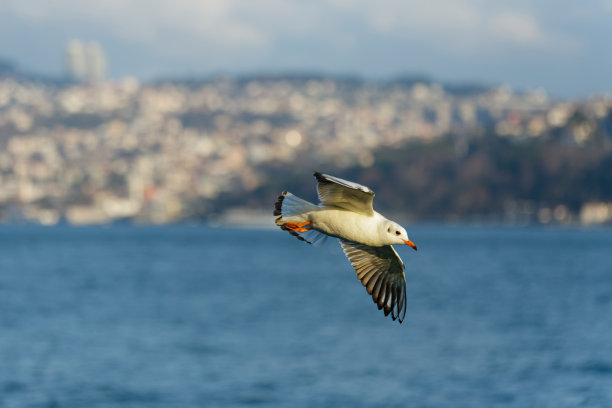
<point x="320" y="176"/>
<point x="401" y="313"/>
<point x="278" y="205"/>
<point x="397" y="309"/>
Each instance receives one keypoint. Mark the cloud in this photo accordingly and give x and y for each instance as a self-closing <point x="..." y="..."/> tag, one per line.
<point x="420" y="17"/>
<point x="148" y="21"/>
<point x="518" y="28"/>
<point x="463" y="24"/>
<point x="476" y="39"/>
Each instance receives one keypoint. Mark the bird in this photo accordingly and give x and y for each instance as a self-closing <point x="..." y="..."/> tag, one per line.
<point x="345" y="212"/>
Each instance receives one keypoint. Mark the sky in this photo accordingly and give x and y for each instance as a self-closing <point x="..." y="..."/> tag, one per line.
<point x="561" y="46"/>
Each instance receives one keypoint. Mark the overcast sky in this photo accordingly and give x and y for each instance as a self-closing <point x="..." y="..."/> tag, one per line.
<point x="562" y="46"/>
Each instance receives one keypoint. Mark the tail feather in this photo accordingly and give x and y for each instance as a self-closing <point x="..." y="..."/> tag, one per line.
<point x="290" y="208"/>
<point x="287" y="205"/>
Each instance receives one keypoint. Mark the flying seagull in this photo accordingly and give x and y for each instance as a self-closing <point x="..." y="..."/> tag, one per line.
<point x="345" y="211"/>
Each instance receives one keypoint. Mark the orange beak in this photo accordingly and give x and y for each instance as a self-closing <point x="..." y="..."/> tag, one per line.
<point x="410" y="244"/>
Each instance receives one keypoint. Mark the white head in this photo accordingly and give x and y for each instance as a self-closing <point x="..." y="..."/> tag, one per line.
<point x="396" y="234"/>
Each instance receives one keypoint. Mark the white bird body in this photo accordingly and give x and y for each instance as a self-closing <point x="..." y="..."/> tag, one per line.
<point x="340" y="223"/>
<point x="346" y="212"/>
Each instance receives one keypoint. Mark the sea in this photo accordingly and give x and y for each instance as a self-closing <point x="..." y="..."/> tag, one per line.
<point x="201" y="316"/>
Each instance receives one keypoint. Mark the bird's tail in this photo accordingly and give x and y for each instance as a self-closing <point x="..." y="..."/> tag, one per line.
<point x="292" y="213"/>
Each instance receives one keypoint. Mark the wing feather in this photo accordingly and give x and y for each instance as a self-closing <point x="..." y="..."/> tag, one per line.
<point x="372" y="282"/>
<point x="334" y="191"/>
<point x="385" y="301"/>
<point x="365" y="272"/>
<point x="401" y="305"/>
<point x="369" y="276"/>
<point x="376" y="293"/>
<point x="381" y="271"/>
<point x="391" y="303"/>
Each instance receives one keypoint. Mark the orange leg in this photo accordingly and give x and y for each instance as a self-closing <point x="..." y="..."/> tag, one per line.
<point x="298" y="226"/>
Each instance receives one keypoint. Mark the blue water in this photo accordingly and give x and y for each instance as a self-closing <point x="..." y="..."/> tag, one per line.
<point x="206" y="317"/>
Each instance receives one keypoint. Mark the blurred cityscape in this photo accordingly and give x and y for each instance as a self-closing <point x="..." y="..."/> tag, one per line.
<point x="90" y="151"/>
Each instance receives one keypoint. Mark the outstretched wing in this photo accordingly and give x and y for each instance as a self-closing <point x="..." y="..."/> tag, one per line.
<point x="381" y="271"/>
<point x="334" y="191"/>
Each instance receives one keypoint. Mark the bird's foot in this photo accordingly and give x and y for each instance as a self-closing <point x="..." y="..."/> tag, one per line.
<point x="298" y="226"/>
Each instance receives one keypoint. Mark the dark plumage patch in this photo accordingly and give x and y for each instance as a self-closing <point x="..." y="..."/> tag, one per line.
<point x="320" y="177"/>
<point x="295" y="234"/>
<point x="278" y="206"/>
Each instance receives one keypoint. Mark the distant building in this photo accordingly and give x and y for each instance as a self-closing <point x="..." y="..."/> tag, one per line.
<point x="85" y="62"/>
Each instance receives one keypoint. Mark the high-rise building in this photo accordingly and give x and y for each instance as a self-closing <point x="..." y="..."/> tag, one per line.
<point x="85" y="62"/>
<point x="75" y="60"/>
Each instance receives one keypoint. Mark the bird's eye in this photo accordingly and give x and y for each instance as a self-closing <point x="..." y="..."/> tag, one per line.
<point x="397" y="233"/>
<point x="389" y="229"/>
